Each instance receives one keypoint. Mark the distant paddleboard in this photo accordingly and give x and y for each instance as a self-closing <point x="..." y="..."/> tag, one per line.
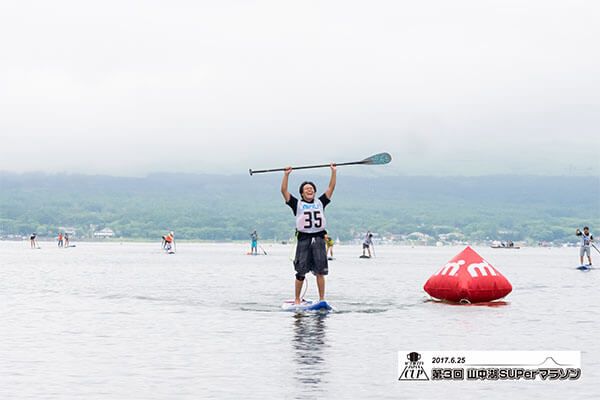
<point x="71" y="245"/>
<point x="364" y="257"/>
<point x="306" y="305"/>
<point x="585" y="267"/>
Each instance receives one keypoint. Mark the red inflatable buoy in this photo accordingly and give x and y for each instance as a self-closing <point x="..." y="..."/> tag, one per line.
<point x="468" y="278"/>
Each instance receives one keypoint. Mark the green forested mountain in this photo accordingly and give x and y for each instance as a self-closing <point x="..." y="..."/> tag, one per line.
<point x="215" y="207"/>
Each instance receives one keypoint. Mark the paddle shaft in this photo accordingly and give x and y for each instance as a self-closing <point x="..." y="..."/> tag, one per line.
<point x="260" y="171"/>
<point x="594" y="246"/>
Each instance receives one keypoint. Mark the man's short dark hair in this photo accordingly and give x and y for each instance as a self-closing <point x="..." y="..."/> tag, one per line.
<point x="307" y="183"/>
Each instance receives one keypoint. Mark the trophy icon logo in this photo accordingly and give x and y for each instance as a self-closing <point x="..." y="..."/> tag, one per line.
<point x="413" y="357"/>
<point x="413" y="368"/>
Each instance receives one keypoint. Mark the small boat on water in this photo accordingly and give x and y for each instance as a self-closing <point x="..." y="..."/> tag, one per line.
<point x="504" y="245"/>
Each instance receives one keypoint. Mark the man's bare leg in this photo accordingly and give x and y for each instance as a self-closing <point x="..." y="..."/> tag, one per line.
<point x="321" y="286"/>
<point x="298" y="290"/>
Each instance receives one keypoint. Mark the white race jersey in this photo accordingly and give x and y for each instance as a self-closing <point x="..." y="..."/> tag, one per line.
<point x="310" y="217"/>
<point x="586" y="240"/>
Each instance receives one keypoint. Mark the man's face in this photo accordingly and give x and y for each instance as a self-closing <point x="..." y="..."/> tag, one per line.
<point x="308" y="193"/>
<point x="586" y="231"/>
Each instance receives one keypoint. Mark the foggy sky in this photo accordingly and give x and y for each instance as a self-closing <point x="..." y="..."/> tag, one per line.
<point x="461" y="87"/>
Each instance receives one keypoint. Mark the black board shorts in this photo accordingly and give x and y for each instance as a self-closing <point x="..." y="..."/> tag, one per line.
<point x="311" y="256"/>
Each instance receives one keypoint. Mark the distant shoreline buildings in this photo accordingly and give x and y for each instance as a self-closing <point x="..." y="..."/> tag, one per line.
<point x="104" y="233"/>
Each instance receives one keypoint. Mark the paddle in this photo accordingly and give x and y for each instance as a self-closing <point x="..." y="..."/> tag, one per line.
<point x="594" y="246"/>
<point x="263" y="250"/>
<point x="377" y="159"/>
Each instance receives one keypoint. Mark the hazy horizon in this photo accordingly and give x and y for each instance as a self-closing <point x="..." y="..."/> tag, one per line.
<point x="462" y="88"/>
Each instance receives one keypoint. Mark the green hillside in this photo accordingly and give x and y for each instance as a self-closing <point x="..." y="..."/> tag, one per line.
<point x="210" y="207"/>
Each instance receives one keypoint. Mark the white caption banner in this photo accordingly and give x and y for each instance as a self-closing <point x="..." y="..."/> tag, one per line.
<point x="489" y="365"/>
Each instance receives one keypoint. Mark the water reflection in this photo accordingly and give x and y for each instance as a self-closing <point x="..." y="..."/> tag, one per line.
<point x="310" y="343"/>
<point x="496" y="303"/>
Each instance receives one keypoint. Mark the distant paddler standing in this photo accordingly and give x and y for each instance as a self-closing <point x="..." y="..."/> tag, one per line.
<point x="254" y="243"/>
<point x="311" y="253"/>
<point x="169" y="242"/>
<point x="367" y="243"/>
<point x="33" y="241"/>
<point x="587" y="240"/>
<point x="329" y="244"/>
<point x="60" y="239"/>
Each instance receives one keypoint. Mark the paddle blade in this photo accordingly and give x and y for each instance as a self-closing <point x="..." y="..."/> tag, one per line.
<point x="378" y="159"/>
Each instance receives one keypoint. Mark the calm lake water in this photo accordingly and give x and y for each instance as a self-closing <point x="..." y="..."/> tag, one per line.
<point x="112" y="321"/>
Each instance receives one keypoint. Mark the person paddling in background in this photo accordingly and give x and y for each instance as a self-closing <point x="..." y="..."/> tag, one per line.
<point x="367" y="243"/>
<point x="66" y="244"/>
<point x="60" y="239"/>
<point x="32" y="241"/>
<point x="329" y="245"/>
<point x="254" y="243"/>
<point x="311" y="254"/>
<point x="586" y="241"/>
<point x="169" y="241"/>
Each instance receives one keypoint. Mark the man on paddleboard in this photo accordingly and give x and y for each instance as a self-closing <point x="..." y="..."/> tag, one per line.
<point x="586" y="241"/>
<point x="367" y="243"/>
<point x="311" y="253"/>
<point x="32" y="240"/>
<point x="329" y="246"/>
<point x="254" y="243"/>
<point x="169" y="240"/>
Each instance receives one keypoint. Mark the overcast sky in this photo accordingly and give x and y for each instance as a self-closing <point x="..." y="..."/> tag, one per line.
<point x="447" y="87"/>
